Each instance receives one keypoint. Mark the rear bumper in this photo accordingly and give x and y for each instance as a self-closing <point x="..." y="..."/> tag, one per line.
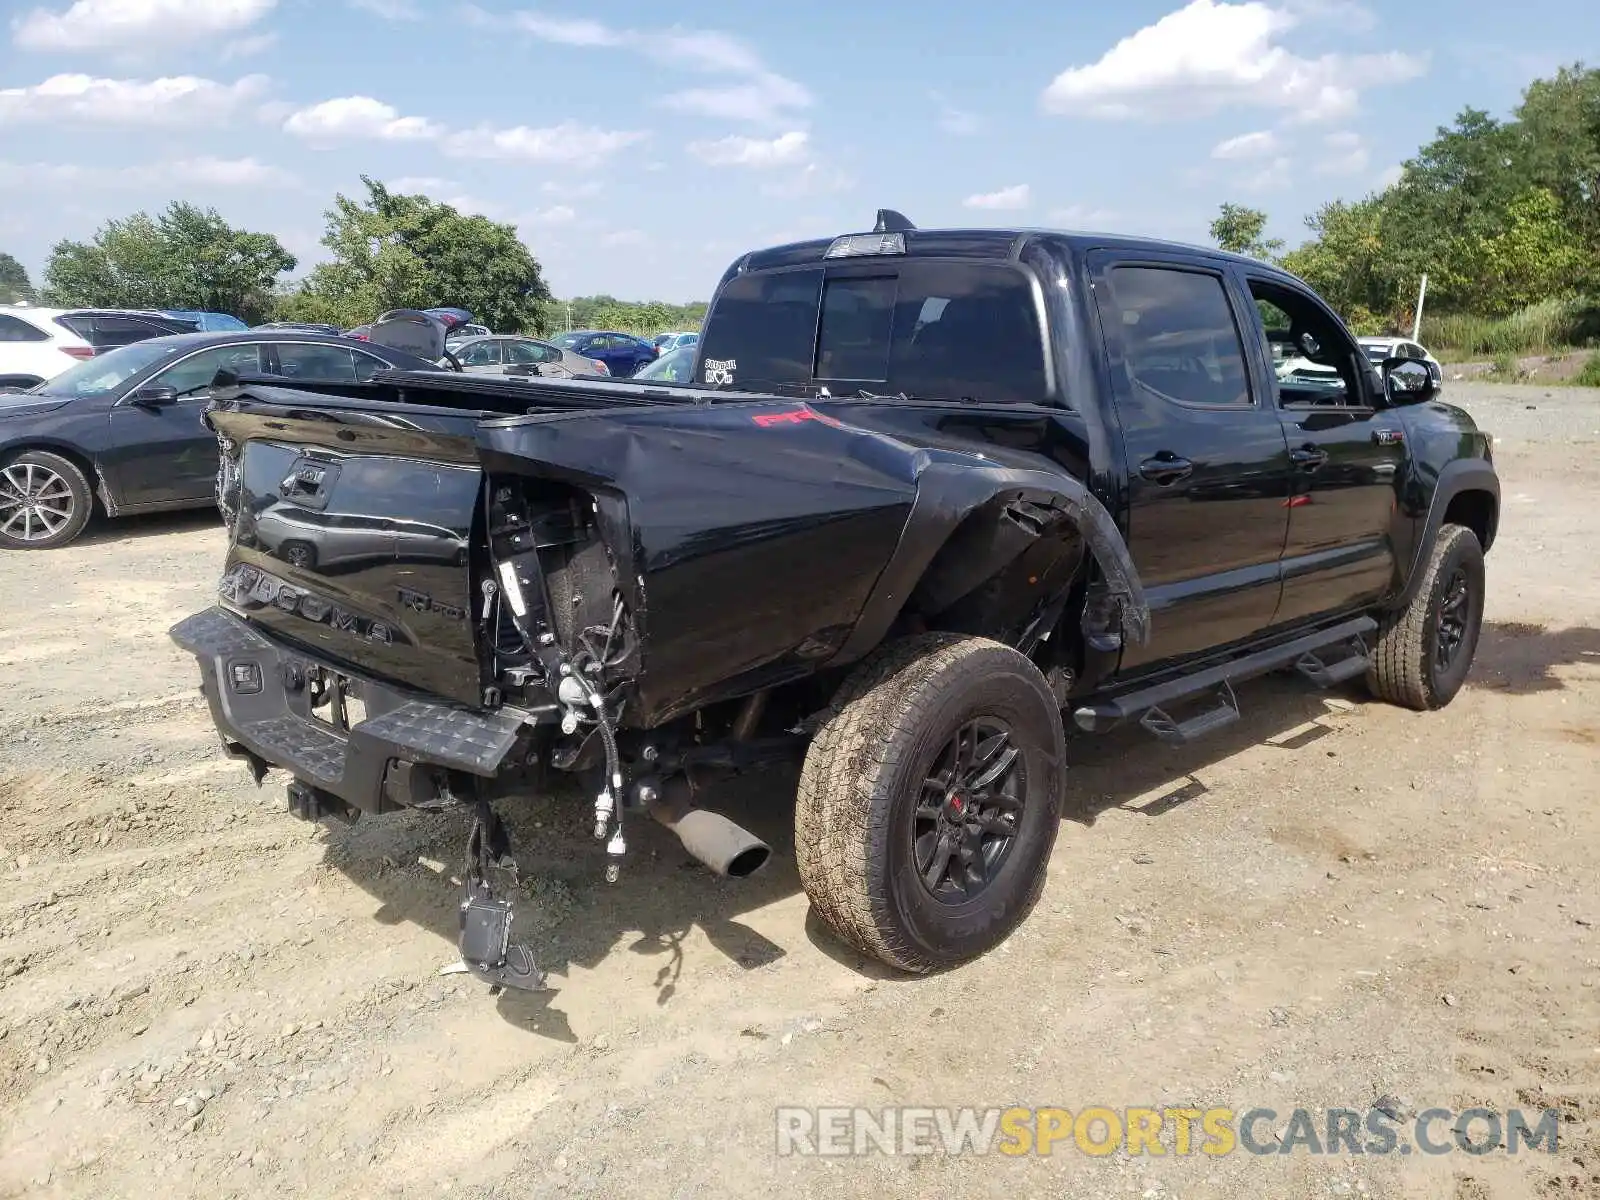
<point x="260" y="701"/>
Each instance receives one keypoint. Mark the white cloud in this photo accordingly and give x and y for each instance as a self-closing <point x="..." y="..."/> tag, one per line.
<point x="813" y="179"/>
<point x="957" y="122"/>
<point x="1344" y="153"/>
<point x="126" y="24"/>
<point x="247" y="47"/>
<point x="571" y="191"/>
<point x="567" y="144"/>
<point x="556" y="214"/>
<point x="1247" y="145"/>
<point x="1272" y="177"/>
<point x="358" y="117"/>
<point x="1006" y="199"/>
<point x="784" y="150"/>
<point x="1211" y="55"/>
<point x="1082" y="216"/>
<point x="420" y="185"/>
<point x="1391" y="176"/>
<point x="565" y="31"/>
<point x="389" y="10"/>
<point x="625" y="237"/>
<point x="758" y="94"/>
<point x="201" y="172"/>
<point x="178" y="100"/>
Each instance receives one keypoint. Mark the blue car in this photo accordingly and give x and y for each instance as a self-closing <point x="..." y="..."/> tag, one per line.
<point x="208" y="322"/>
<point x="622" y="353"/>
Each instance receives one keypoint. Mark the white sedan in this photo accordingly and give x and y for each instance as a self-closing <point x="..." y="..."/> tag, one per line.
<point x="1379" y="349"/>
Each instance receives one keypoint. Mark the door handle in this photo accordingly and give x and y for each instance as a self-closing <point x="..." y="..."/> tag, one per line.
<point x="1166" y="468"/>
<point x="1308" y="458"/>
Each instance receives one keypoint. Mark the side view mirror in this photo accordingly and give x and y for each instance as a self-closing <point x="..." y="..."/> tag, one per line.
<point x="155" y="397"/>
<point x="1407" y="381"/>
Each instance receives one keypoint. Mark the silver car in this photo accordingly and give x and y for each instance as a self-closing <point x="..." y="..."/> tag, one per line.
<point x="494" y="354"/>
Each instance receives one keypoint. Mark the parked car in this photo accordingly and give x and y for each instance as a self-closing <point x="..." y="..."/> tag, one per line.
<point x="666" y="343"/>
<point x="935" y="494"/>
<point x="622" y="353"/>
<point x="494" y="354"/>
<point x="37" y="344"/>
<point x="209" y="322"/>
<point x="360" y="333"/>
<point x="675" y="367"/>
<point x="126" y="425"/>
<point x="301" y="327"/>
<point x="1380" y="349"/>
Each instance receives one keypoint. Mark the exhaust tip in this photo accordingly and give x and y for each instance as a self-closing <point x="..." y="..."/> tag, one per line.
<point x="748" y="862"/>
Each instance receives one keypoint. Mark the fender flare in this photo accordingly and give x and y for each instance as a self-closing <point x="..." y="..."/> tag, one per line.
<point x="1460" y="475"/>
<point x="946" y="495"/>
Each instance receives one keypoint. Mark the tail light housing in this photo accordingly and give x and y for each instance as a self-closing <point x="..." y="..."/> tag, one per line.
<point x="599" y="367"/>
<point x="79" y="352"/>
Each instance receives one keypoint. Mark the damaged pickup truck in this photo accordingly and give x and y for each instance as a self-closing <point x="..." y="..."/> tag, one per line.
<point x="928" y="492"/>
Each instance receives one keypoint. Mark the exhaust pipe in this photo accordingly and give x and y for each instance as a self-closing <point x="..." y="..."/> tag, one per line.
<point x="727" y="849"/>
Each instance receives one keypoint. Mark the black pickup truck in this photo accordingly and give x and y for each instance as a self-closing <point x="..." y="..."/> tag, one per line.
<point x="932" y="496"/>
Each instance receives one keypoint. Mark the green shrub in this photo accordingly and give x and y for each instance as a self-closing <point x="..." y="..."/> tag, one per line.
<point x="1543" y="328"/>
<point x="1590" y="375"/>
<point x="1505" y="366"/>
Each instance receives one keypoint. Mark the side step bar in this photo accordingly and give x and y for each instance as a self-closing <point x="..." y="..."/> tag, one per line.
<point x="1148" y="704"/>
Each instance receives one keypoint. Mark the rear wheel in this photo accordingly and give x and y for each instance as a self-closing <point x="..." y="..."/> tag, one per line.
<point x="45" y="501"/>
<point x="930" y="799"/>
<point x="1425" y="650"/>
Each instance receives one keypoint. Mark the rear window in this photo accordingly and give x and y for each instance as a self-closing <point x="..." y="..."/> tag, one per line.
<point x="935" y="331"/>
<point x="13" y="329"/>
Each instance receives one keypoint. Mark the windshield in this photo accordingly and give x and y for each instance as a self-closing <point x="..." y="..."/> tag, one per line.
<point x="569" y="341"/>
<point x="107" y="372"/>
<point x="676" y="366"/>
<point x="1377" y="353"/>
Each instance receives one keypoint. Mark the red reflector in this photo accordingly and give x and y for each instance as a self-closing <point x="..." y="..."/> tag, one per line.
<point x="77" y="351"/>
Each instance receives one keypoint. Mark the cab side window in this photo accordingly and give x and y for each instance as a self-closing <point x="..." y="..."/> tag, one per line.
<point x="1178" y="335"/>
<point x="1315" y="364"/>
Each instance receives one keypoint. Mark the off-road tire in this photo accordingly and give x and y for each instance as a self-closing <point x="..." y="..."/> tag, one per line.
<point x="1404" y="669"/>
<point x="862" y="776"/>
<point x="82" y="499"/>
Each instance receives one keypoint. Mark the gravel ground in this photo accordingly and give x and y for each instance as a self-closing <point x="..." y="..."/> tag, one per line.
<point x="1331" y="902"/>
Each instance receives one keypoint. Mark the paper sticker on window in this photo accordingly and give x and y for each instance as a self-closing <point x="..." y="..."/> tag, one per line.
<point x="719" y="371"/>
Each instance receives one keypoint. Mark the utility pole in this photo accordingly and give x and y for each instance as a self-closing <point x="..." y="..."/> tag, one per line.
<point x="1422" y="295"/>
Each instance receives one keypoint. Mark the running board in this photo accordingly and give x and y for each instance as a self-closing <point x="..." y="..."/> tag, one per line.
<point x="1149" y="704"/>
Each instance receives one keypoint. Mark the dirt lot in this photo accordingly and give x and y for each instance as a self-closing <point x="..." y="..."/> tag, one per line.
<point x="1331" y="902"/>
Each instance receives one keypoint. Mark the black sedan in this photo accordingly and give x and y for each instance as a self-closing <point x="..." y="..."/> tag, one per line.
<point x="126" y="425"/>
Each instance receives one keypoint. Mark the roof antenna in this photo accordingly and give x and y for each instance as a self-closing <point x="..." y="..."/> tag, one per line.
<point x="890" y="221"/>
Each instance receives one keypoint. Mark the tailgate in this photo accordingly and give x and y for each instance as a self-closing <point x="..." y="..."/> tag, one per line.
<point x="352" y="536"/>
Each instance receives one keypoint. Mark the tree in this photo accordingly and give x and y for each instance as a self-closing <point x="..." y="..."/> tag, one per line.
<point x="1347" y="262"/>
<point x="14" y="283"/>
<point x="1238" y="230"/>
<point x="395" y="251"/>
<point x="186" y="258"/>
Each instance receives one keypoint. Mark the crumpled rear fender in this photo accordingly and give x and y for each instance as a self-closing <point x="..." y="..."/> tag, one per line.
<point x="949" y="493"/>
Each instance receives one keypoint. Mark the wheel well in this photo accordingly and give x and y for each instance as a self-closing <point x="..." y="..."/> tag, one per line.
<point x="86" y="465"/>
<point x="1475" y="510"/>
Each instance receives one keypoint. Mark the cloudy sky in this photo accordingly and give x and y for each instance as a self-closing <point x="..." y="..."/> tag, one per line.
<point x="640" y="147"/>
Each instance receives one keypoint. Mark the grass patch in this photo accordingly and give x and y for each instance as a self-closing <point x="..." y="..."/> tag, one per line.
<point x="1549" y="327"/>
<point x="1590" y="375"/>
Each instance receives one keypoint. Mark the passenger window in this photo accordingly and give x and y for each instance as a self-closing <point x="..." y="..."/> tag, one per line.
<point x="310" y="361"/>
<point x="1313" y="360"/>
<point x="194" y="374"/>
<point x="1179" y="336"/>
<point x="367" y="366"/>
<point x="480" y="354"/>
